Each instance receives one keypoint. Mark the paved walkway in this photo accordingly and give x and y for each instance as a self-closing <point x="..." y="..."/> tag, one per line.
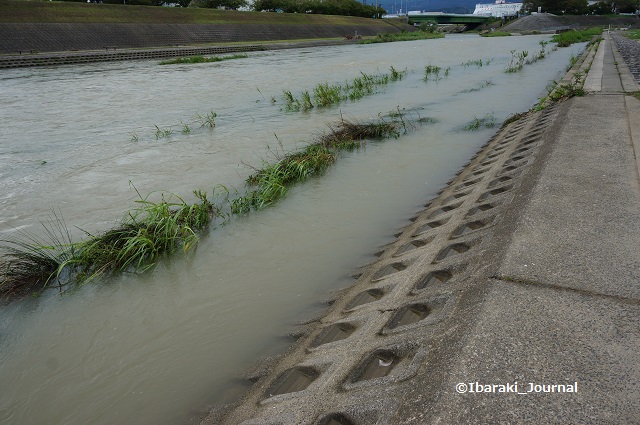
<point x="565" y="303"/>
<point x="514" y="297"/>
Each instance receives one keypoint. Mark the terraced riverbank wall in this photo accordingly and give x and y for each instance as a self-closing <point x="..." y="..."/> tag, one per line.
<point x="37" y="44"/>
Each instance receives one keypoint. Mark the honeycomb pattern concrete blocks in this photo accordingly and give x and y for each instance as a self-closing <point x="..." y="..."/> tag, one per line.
<point x="388" y="334"/>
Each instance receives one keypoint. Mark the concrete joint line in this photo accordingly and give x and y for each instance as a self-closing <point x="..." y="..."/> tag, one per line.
<point x="593" y="82"/>
<point x="526" y="282"/>
<point x="632" y="108"/>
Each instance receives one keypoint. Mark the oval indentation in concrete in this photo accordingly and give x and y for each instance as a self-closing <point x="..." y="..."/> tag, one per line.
<point x="494" y="192"/>
<point x="389" y="269"/>
<point x="430" y="226"/>
<point x="365" y="297"/>
<point x="437" y="277"/>
<point x="452" y="250"/>
<point x="333" y="333"/>
<point x="499" y="180"/>
<point x="469" y="227"/>
<point x="455" y="196"/>
<point x="377" y="365"/>
<point x="444" y="209"/>
<point x="294" y="380"/>
<point x="410" y="247"/>
<point x="480" y="208"/>
<point x="335" y="419"/>
<point x="409" y="315"/>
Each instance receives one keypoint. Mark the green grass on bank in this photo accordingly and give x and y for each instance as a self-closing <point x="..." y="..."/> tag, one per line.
<point x="25" y="11"/>
<point x="633" y="34"/>
<point x="568" y="38"/>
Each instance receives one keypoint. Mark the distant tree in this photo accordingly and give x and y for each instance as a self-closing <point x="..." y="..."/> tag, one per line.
<point x="625" y="6"/>
<point x="600" y="8"/>
<point x="325" y="7"/>
<point x="558" y="7"/>
<point x="226" y="4"/>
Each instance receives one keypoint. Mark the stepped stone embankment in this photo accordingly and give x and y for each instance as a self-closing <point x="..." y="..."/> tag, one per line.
<point x="58" y="37"/>
<point x="41" y="44"/>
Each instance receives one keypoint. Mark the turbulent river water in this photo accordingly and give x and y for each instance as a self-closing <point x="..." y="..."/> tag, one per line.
<point x="160" y="347"/>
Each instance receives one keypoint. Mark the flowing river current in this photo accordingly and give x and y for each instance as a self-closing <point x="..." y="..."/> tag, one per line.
<point x="160" y="347"/>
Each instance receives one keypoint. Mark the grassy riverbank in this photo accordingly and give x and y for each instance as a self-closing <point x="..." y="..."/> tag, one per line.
<point x="21" y="11"/>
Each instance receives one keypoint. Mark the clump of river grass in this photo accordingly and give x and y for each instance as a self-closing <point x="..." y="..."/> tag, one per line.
<point x="272" y="181"/>
<point x="517" y="61"/>
<point x="147" y="232"/>
<point x="402" y="36"/>
<point x="325" y="94"/>
<point x="432" y="72"/>
<point x="488" y="121"/>
<point x="568" y="38"/>
<point x="202" y="59"/>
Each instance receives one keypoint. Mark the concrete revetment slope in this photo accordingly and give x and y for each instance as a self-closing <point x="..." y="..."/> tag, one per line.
<point x="514" y="297"/>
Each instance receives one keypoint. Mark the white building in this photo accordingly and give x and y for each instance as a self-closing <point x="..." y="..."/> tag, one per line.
<point x="498" y="9"/>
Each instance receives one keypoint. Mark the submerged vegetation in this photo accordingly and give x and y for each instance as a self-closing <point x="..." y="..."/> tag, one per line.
<point x="488" y="121"/>
<point x="324" y="94"/>
<point x="433" y="72"/>
<point x="402" y="36"/>
<point x="156" y="228"/>
<point x="202" y="59"/>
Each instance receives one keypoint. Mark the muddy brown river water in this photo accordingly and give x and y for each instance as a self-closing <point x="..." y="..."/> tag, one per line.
<point x="160" y="347"/>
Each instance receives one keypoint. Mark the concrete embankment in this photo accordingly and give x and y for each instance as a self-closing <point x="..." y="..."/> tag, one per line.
<point x="514" y="297"/>
<point x="38" y="44"/>
<point x="544" y="22"/>
<point x="111" y="54"/>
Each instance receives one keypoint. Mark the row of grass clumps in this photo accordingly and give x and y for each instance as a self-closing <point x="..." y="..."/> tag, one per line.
<point x="402" y="36"/>
<point x="271" y="182"/>
<point x="202" y="59"/>
<point x="30" y="265"/>
<point x="325" y="94"/>
<point x="568" y="38"/>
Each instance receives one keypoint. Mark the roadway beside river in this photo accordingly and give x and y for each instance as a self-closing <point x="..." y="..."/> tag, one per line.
<point x="513" y="297"/>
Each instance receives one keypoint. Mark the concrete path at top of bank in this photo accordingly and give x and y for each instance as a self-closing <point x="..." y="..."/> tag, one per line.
<point x="565" y="304"/>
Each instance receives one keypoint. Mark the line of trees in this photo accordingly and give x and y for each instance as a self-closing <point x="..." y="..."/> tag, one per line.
<point x="581" y="7"/>
<point x="326" y="7"/>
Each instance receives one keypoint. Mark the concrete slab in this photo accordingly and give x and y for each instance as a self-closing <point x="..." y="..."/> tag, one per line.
<point x="528" y="334"/>
<point x="593" y="82"/>
<point x="580" y="229"/>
